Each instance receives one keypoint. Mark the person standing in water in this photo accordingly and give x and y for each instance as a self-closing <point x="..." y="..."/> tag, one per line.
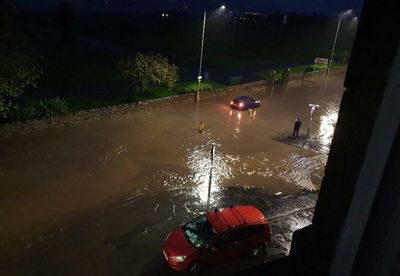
<point x="297" y="125"/>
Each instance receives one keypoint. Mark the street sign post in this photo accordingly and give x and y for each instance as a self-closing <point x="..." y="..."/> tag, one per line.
<point x="319" y="60"/>
<point x="313" y="107"/>
<point x="212" y="153"/>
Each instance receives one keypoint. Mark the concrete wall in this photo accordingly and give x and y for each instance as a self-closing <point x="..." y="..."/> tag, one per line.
<point x="371" y="64"/>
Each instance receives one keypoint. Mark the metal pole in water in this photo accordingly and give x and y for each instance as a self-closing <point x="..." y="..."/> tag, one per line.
<point x="210" y="179"/>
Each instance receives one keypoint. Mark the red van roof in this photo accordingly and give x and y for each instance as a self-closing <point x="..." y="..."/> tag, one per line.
<point x="222" y="220"/>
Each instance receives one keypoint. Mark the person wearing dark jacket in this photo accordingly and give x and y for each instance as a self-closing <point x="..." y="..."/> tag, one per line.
<point x="297" y="125"/>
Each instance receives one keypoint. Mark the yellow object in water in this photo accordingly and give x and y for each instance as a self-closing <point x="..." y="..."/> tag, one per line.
<point x="201" y="126"/>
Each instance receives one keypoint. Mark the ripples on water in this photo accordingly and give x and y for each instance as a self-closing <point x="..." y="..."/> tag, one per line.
<point x="295" y="169"/>
<point x="199" y="163"/>
<point x="298" y="170"/>
<point x="113" y="154"/>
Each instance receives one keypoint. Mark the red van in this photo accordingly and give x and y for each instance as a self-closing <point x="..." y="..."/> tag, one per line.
<point x="216" y="236"/>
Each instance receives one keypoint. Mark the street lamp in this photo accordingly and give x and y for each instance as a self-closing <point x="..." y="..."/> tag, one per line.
<point x="313" y="107"/>
<point x="341" y="16"/>
<point x="212" y="154"/>
<point x="199" y="76"/>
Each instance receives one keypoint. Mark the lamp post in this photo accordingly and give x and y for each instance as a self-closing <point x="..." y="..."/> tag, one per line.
<point x="199" y="76"/>
<point x="312" y="106"/>
<point x="212" y="153"/>
<point x="341" y="16"/>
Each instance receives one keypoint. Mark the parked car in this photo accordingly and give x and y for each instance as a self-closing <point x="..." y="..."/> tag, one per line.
<point x="216" y="236"/>
<point x="244" y="103"/>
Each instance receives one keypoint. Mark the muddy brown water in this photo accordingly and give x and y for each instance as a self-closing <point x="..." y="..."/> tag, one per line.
<point x="66" y="193"/>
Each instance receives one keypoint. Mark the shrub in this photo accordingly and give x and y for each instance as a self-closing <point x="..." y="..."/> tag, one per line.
<point x="146" y="70"/>
<point x="193" y="87"/>
<point x="50" y="108"/>
<point x="235" y="80"/>
<point x="36" y="110"/>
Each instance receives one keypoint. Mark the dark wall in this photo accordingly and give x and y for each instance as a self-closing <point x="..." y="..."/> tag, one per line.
<point x="375" y="47"/>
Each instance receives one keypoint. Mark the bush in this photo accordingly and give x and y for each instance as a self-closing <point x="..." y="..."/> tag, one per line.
<point x="146" y="70"/>
<point x="50" y="108"/>
<point x="193" y="87"/>
<point x="267" y="75"/>
<point x="316" y="67"/>
<point x="36" y="110"/>
<point x="235" y="80"/>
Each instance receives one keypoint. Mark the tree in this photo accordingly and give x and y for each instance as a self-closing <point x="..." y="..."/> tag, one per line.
<point x="19" y="66"/>
<point x="144" y="70"/>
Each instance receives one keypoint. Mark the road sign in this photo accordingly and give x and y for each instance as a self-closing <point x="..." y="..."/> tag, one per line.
<point x="319" y="60"/>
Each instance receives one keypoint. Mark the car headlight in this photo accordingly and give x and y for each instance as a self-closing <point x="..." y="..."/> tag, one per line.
<point x="178" y="259"/>
<point x="241" y="105"/>
<point x="231" y="102"/>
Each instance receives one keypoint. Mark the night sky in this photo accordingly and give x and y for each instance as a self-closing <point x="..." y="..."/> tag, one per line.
<point x="196" y="6"/>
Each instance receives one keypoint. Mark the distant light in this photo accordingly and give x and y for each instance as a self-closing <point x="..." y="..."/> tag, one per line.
<point x="223" y="7"/>
<point x="346" y="13"/>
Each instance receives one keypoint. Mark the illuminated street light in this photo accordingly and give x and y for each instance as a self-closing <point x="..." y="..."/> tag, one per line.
<point x="199" y="76"/>
<point x="342" y="15"/>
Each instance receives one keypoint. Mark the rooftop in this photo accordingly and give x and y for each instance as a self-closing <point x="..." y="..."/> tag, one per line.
<point x="224" y="219"/>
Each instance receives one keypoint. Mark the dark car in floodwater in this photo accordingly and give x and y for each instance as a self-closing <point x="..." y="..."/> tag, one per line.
<point x="216" y="236"/>
<point x="244" y="103"/>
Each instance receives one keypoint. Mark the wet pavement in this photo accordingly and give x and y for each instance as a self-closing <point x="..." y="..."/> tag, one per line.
<point x="98" y="198"/>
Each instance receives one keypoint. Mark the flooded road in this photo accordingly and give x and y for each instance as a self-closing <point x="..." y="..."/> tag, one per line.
<point x="98" y="198"/>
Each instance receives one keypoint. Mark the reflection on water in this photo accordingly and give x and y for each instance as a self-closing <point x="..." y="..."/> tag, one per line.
<point x="237" y="125"/>
<point x="259" y="165"/>
<point x="199" y="163"/>
<point x="327" y="127"/>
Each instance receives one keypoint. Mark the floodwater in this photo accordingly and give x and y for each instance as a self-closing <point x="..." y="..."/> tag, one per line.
<point x="98" y="198"/>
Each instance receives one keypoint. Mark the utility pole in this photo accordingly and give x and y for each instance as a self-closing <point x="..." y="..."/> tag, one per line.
<point x="334" y="45"/>
<point x="212" y="153"/>
<point x="199" y="77"/>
